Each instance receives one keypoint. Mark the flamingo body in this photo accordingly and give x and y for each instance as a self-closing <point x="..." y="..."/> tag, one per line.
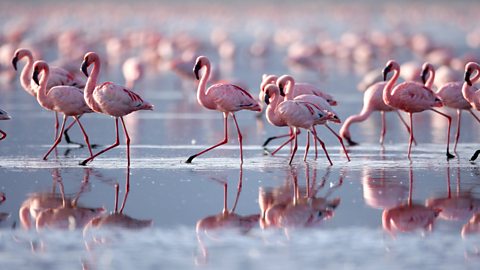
<point x="413" y="97"/>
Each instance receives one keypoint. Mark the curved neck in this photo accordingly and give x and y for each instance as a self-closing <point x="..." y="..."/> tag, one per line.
<point x="26" y="75"/>
<point x="90" y="86"/>
<point x="202" y="87"/>
<point x="289" y="88"/>
<point x="431" y="77"/>
<point x="272" y="117"/>
<point x="42" y="97"/>
<point x="468" y="92"/>
<point x="387" y="91"/>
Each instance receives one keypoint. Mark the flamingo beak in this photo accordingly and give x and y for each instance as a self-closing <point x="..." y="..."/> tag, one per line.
<point x="280" y="88"/>
<point x="14" y="62"/>
<point x="467" y="77"/>
<point x="385" y="72"/>
<point x="84" y="67"/>
<point x="35" y="76"/>
<point x="267" y="98"/>
<point x="196" y="70"/>
<point x="424" y="75"/>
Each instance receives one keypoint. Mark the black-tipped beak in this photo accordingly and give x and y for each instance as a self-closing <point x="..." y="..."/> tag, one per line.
<point x="14" y="62"/>
<point x="35" y="76"/>
<point x="467" y="77"/>
<point x="84" y="68"/>
<point x="385" y="72"/>
<point x="424" y="76"/>
<point x="282" y="92"/>
<point x="267" y="99"/>
<point x="196" y="70"/>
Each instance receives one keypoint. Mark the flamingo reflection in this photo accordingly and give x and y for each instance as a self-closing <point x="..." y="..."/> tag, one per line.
<point x="409" y="216"/>
<point x="212" y="227"/>
<point x="3" y="216"/>
<point x="49" y="210"/>
<point x="381" y="190"/>
<point x="289" y="206"/>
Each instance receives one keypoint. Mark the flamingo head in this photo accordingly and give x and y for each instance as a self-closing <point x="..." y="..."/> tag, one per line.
<point x="270" y="90"/>
<point x="201" y="61"/>
<point x="391" y="65"/>
<point x="38" y="66"/>
<point x="333" y="117"/>
<point x="19" y="54"/>
<point x="88" y="59"/>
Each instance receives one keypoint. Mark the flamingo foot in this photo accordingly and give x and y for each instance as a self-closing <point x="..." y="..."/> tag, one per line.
<point x="450" y="156"/>
<point x="69" y="141"/>
<point x="351" y="142"/>
<point x="475" y="156"/>
<point x="189" y="160"/>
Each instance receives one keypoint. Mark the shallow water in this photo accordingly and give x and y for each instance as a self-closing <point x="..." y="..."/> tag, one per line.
<point x="347" y="233"/>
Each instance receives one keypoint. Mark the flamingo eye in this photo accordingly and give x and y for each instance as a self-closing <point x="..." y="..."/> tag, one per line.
<point x="320" y="213"/>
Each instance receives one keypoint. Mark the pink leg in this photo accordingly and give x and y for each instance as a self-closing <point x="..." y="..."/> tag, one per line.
<point x="4" y="135"/>
<point x="56" y="126"/>
<point x="384" y="128"/>
<point x="340" y="140"/>
<point x="474" y="116"/>
<point x="307" y="146"/>
<point x="127" y="139"/>
<point x="295" y="146"/>
<point x="224" y="141"/>
<point x="448" y="133"/>
<point x="285" y="143"/>
<point x="240" y="138"/>
<point x="406" y="125"/>
<point x="115" y="144"/>
<point x="315" y="143"/>
<point x="457" y="136"/>
<point x="127" y="190"/>
<point x="323" y="146"/>
<point x="268" y="140"/>
<point x="58" y="139"/>
<point x="411" y="135"/>
<point x="116" y="198"/>
<point x="85" y="136"/>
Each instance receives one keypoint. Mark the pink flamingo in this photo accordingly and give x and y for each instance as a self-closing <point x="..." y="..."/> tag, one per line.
<point x="451" y="95"/>
<point x="111" y="99"/>
<point x="372" y="101"/>
<point x="411" y="97"/>
<point x="132" y="70"/>
<point x="296" y="114"/>
<point x="58" y="76"/>
<point x="223" y="97"/>
<point x="288" y="83"/>
<point x="3" y="116"/>
<point x="470" y="93"/>
<point x="65" y="99"/>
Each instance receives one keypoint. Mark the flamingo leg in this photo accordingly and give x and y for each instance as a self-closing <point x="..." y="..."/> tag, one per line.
<point x="4" y="135"/>
<point x="340" y="140"/>
<point x="406" y="125"/>
<point x="457" y="135"/>
<point x="323" y="146"/>
<point x="295" y="146"/>
<point x="115" y="144"/>
<point x="240" y="137"/>
<point x="57" y="125"/>
<point x="269" y="139"/>
<point x="448" y="133"/>
<point x="116" y="198"/>
<point x="411" y="135"/>
<point x="224" y="141"/>
<point x="384" y="128"/>
<point x="474" y="116"/>
<point x="58" y="139"/>
<point x="315" y="143"/>
<point x="307" y="146"/>
<point x="127" y="139"/>
<point x="285" y="143"/>
<point x="85" y="136"/>
<point x="127" y="190"/>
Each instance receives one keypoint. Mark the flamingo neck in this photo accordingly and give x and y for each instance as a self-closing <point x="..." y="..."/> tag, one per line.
<point x="469" y="92"/>
<point x="42" y="96"/>
<point x="431" y="78"/>
<point x="90" y="86"/>
<point x="273" y="117"/>
<point x="202" y="86"/>
<point x="26" y="76"/>
<point x="387" y="91"/>
<point x="289" y="89"/>
<point x="362" y="116"/>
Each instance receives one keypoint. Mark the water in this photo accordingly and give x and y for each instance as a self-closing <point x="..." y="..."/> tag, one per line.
<point x="339" y="224"/>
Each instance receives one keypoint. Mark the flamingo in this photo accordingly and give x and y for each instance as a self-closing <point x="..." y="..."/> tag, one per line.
<point x="58" y="76"/>
<point x="132" y="70"/>
<point x="3" y="116"/>
<point x="372" y="101"/>
<point x="323" y="102"/>
<point x="451" y="95"/>
<point x="296" y="114"/>
<point x="411" y="97"/>
<point x="110" y="99"/>
<point x="470" y="93"/>
<point x="65" y="99"/>
<point x="223" y="97"/>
